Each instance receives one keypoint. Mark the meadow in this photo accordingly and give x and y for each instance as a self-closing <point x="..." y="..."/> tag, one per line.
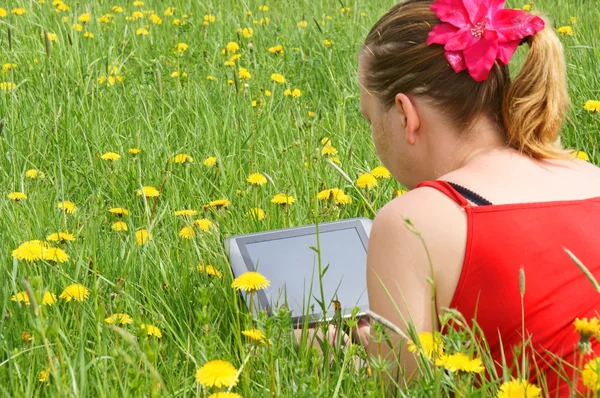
<point x="136" y="136"/>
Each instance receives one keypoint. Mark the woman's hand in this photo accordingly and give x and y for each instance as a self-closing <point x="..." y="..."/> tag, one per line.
<point x="360" y="334"/>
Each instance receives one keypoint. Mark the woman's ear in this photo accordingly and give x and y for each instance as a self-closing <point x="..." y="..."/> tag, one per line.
<point x="410" y="117"/>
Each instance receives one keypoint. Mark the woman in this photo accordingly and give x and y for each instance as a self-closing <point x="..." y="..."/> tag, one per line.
<point x="446" y="120"/>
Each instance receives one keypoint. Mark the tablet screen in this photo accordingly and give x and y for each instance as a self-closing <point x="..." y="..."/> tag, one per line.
<point x="290" y="265"/>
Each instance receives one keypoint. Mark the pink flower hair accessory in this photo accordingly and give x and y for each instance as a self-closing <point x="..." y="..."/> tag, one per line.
<point x="476" y="33"/>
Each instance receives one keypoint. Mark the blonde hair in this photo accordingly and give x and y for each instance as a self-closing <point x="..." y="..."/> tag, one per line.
<point x="531" y="109"/>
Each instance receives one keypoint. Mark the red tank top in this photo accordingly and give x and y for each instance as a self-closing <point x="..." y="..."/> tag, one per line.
<point x="502" y="240"/>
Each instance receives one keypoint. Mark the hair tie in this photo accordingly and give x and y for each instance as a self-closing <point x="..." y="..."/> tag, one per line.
<point x="477" y="33"/>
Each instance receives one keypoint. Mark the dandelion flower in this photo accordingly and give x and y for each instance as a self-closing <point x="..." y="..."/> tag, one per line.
<point x="295" y="93"/>
<point x="460" y="362"/>
<point x="432" y="346"/>
<point x="366" y="180"/>
<point x="582" y="155"/>
<point x="169" y="12"/>
<point x="204" y="224"/>
<point x="33" y="174"/>
<point x="60" y="237"/>
<point x="75" y="292"/>
<point x="250" y="281"/>
<point x="257" y="213"/>
<point x="187" y="232"/>
<point x="247" y="32"/>
<point x="182" y="47"/>
<point x="327" y="43"/>
<point x="56" y="255"/>
<point x="142" y="236"/>
<point x="591" y="375"/>
<point x="225" y="394"/>
<point x="3" y="13"/>
<point x="84" y="18"/>
<point x="119" y="226"/>
<point x="587" y="328"/>
<point x="148" y="191"/>
<point x="182" y="158"/>
<point x="519" y="389"/>
<point x="17" y="196"/>
<point x="118" y="319"/>
<point x="302" y="24"/>
<point x="18" y="11"/>
<point x="49" y="299"/>
<point x="311" y="114"/>
<point x="257" y="179"/>
<point x="7" y="86"/>
<point x="381" y="172"/>
<point x="328" y="150"/>
<point x="30" y="251"/>
<point x="21" y="297"/>
<point x="398" y="192"/>
<point x="232" y="47"/>
<point x="220" y="203"/>
<point x="277" y="78"/>
<point x="119" y="211"/>
<point x="210" y="161"/>
<point x="210" y="271"/>
<point x="566" y="30"/>
<point x="152" y="330"/>
<point x="255" y="335"/>
<point x="138" y="3"/>
<point x="217" y="374"/>
<point x="110" y="156"/>
<point x="141" y="31"/>
<point x="338" y="196"/>
<point x="283" y="199"/>
<point x="186" y="213"/>
<point x="44" y="376"/>
<point x="592" y="106"/>
<point x="244" y="74"/>
<point x="276" y="50"/>
<point x="134" y="151"/>
<point x="68" y="207"/>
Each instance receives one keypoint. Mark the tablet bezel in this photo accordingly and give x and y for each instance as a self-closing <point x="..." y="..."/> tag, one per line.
<point x="241" y="262"/>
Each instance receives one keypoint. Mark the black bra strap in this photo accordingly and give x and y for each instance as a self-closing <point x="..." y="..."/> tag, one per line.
<point x="470" y="195"/>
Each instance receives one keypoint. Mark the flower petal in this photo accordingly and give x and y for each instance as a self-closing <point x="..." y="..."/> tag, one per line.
<point x="451" y="11"/>
<point x="456" y="60"/>
<point x="461" y="40"/>
<point x="474" y="7"/>
<point x="480" y="57"/>
<point x="506" y="51"/>
<point x="516" y="24"/>
<point x="441" y="33"/>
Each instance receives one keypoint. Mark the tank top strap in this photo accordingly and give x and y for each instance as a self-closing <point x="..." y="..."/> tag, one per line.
<point x="446" y="189"/>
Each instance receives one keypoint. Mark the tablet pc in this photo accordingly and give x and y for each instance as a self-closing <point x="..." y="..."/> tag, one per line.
<point x="288" y="258"/>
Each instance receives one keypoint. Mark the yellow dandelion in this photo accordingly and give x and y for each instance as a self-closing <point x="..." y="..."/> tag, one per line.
<point x="566" y="30"/>
<point x="590" y="374"/>
<point x="217" y="374"/>
<point x="276" y="50"/>
<point x="138" y="3"/>
<point x="519" y="389"/>
<point x="119" y="226"/>
<point x="526" y="7"/>
<point x="311" y="114"/>
<point x="30" y="251"/>
<point x="225" y="394"/>
<point x="17" y="196"/>
<point x="250" y="281"/>
<point x="398" y="192"/>
<point x="220" y="203"/>
<point x="56" y="255"/>
<point x="182" y="47"/>
<point x="34" y="174"/>
<point x="68" y="207"/>
<point x="117" y="9"/>
<point x="134" y="151"/>
<point x="151" y="330"/>
<point x="7" y="86"/>
<point x="244" y="74"/>
<point x="186" y="213"/>
<point x="255" y="335"/>
<point x="141" y="31"/>
<point x="84" y="18"/>
<point x="366" y="180"/>
<point x="210" y="271"/>
<point x="169" y="12"/>
<point x="89" y="35"/>
<point x="381" y="172"/>
<point x="210" y="161"/>
<point x="21" y="297"/>
<point x="592" y="106"/>
<point x="257" y="213"/>
<point x="77" y="27"/>
<point x="328" y="150"/>
<point x="460" y="362"/>
<point x="44" y="376"/>
<point x="148" y="191"/>
<point x="587" y="328"/>
<point x="247" y="32"/>
<point x="49" y="299"/>
<point x="18" y="11"/>
<point x="257" y="179"/>
<point x="263" y="8"/>
<point x="3" y="13"/>
<point x="204" y="224"/>
<point x="119" y="211"/>
<point x="118" y="319"/>
<point x="182" y="158"/>
<point x="232" y="47"/>
<point x="142" y="236"/>
<point x="582" y="155"/>
<point x="283" y="199"/>
<point x="302" y="24"/>
<point x="60" y="237"/>
<point x="277" y="78"/>
<point x="75" y="292"/>
<point x="111" y="156"/>
<point x="327" y="43"/>
<point x="209" y="18"/>
<point x="432" y="346"/>
<point x="338" y="196"/>
<point x="187" y="232"/>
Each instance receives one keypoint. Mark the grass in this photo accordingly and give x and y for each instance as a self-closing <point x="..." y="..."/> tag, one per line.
<point x="60" y="120"/>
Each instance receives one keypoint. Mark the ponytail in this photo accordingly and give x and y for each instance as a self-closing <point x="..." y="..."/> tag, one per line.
<point x="536" y="102"/>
